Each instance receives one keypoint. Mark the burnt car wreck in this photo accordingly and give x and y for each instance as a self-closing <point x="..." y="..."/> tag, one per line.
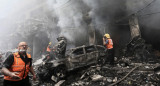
<point x="55" y="69"/>
<point x="86" y="55"/>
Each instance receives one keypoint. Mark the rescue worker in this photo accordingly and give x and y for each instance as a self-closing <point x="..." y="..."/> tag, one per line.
<point x="49" y="47"/>
<point x="17" y="66"/>
<point x="61" y="48"/>
<point x="50" y="52"/>
<point x="108" y="43"/>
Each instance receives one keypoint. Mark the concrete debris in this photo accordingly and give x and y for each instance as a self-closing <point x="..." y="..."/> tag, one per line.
<point x="80" y="83"/>
<point x="138" y="51"/>
<point x="60" y="83"/>
<point x="97" y="78"/>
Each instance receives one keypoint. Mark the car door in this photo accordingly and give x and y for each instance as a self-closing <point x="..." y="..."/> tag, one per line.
<point x="101" y="50"/>
<point x="91" y="54"/>
<point x="78" y="57"/>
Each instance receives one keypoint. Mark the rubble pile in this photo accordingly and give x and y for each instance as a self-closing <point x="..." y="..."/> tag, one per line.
<point x="138" y="51"/>
<point x="140" y="75"/>
<point x="95" y="76"/>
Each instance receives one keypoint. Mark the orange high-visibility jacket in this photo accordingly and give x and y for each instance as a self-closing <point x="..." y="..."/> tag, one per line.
<point x="109" y="45"/>
<point x="48" y="48"/>
<point x="19" y="66"/>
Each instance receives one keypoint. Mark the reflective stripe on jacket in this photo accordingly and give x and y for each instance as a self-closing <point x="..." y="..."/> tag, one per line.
<point x="20" y="67"/>
<point x="109" y="45"/>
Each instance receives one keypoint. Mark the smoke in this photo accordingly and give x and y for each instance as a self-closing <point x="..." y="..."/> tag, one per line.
<point x="8" y="18"/>
<point x="69" y="18"/>
<point x="39" y="22"/>
<point x="147" y="10"/>
<point x="19" y="23"/>
<point x="70" y="15"/>
<point x="103" y="11"/>
<point x="76" y="17"/>
<point x="149" y="18"/>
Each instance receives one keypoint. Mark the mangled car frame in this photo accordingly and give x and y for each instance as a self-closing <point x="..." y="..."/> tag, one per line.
<point x="75" y="58"/>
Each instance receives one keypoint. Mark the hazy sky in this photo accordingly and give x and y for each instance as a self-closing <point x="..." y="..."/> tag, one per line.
<point x="7" y="7"/>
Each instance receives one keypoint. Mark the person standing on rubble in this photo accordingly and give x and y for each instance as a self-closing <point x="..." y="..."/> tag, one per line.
<point x="50" y="52"/>
<point x="17" y="66"/>
<point x="108" y="43"/>
<point x="49" y="47"/>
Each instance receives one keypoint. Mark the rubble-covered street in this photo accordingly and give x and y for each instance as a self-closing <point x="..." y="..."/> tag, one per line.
<point x="135" y="75"/>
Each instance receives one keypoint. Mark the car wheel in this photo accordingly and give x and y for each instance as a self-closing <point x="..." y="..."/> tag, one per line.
<point x="60" y="71"/>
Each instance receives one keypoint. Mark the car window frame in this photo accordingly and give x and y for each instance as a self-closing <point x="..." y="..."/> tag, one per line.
<point x="73" y="55"/>
<point x="91" y="51"/>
